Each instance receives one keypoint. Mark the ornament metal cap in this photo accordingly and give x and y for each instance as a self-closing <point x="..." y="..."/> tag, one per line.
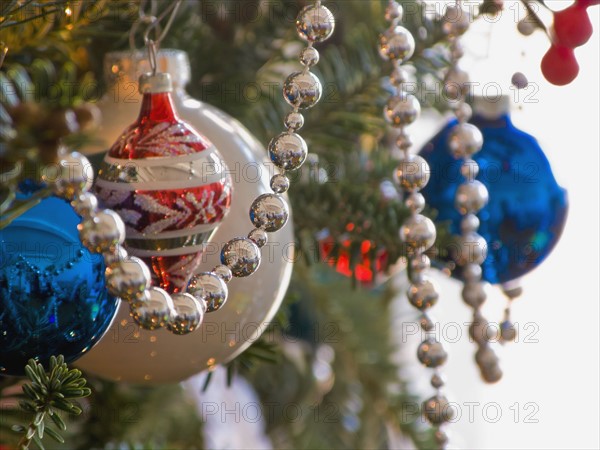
<point x="155" y="83"/>
<point x="491" y="107"/>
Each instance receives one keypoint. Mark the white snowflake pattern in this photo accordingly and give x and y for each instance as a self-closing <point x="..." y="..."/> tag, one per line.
<point x="164" y="139"/>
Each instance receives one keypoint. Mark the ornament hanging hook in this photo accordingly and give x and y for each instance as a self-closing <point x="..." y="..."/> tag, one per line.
<point x="153" y="25"/>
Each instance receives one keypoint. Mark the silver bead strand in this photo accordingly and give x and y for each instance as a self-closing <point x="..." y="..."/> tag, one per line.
<point x="464" y="141"/>
<point x="127" y="277"/>
<point x="418" y="232"/>
<point x="240" y="257"/>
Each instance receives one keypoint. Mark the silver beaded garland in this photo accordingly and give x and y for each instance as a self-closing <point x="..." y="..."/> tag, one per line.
<point x="412" y="174"/>
<point x="464" y="141"/>
<point x="104" y="231"/>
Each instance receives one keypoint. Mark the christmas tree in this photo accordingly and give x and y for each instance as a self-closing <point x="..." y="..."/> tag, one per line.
<point x="321" y="373"/>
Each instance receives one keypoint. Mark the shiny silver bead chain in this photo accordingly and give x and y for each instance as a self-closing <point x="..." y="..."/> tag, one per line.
<point x="128" y="277"/>
<point x="464" y="141"/>
<point x="418" y="232"/>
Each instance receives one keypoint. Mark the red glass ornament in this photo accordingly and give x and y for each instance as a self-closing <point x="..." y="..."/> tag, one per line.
<point x="365" y="269"/>
<point x="572" y="26"/>
<point x="559" y="65"/>
<point x="168" y="183"/>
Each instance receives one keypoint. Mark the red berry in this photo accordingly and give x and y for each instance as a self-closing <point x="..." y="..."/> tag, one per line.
<point x="572" y="26"/>
<point x="559" y="65"/>
<point x="586" y="3"/>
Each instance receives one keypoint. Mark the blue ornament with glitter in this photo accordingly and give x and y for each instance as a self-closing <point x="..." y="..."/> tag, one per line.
<point x="527" y="210"/>
<point x="52" y="290"/>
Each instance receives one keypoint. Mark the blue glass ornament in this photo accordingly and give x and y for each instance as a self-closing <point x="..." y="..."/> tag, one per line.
<point x="527" y="210"/>
<point x="52" y="293"/>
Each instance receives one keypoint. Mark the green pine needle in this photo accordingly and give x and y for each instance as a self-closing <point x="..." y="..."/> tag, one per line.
<point x="47" y="393"/>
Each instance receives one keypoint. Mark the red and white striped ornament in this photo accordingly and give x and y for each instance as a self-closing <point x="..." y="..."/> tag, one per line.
<point x="168" y="183"/>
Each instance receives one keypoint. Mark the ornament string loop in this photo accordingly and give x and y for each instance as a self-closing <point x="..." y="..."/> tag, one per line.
<point x="153" y="25"/>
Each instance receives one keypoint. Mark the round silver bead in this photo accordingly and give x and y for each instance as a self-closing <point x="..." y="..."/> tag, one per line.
<point x="469" y="223"/>
<point x="437" y="381"/>
<point x="293" y="121"/>
<point x="491" y="374"/>
<point x="471" y="197"/>
<point x="223" y="272"/>
<point x="412" y="174"/>
<point x="519" y="80"/>
<point x="455" y="21"/>
<point x="456" y="83"/>
<point x="269" y="212"/>
<point x="315" y="23"/>
<point x="441" y="438"/>
<point x="431" y="353"/>
<point x="508" y="332"/>
<point x="393" y="12"/>
<point x="116" y="254"/>
<point x="242" y="256"/>
<point x="472" y="272"/>
<point x="418" y="232"/>
<point x="472" y="249"/>
<point x="420" y="263"/>
<point x="302" y="90"/>
<point x="474" y="294"/>
<point x="480" y="330"/>
<point x="526" y="27"/>
<point x="76" y="176"/>
<point x="280" y="183"/>
<point x="396" y="44"/>
<point x="210" y="288"/>
<point x="259" y="237"/>
<point x="398" y="76"/>
<point x="427" y="323"/>
<point x="85" y="204"/>
<point x="512" y="291"/>
<point x="438" y="410"/>
<point x="465" y="140"/>
<point x="187" y="315"/>
<point x="128" y="279"/>
<point x="403" y="141"/>
<point x="309" y="57"/>
<point x="415" y="202"/>
<point x="402" y="109"/>
<point x="486" y="357"/>
<point x="288" y="151"/>
<point x="423" y="295"/>
<point x="155" y="311"/>
<point x="463" y="112"/>
<point x="102" y="232"/>
<point x="469" y="169"/>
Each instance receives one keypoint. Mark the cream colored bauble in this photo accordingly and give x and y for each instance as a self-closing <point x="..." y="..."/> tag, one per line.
<point x="130" y="354"/>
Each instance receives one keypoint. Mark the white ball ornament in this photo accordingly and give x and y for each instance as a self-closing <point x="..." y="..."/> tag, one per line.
<point x="130" y="354"/>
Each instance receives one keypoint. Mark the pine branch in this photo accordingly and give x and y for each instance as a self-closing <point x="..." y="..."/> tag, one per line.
<point x="47" y="394"/>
